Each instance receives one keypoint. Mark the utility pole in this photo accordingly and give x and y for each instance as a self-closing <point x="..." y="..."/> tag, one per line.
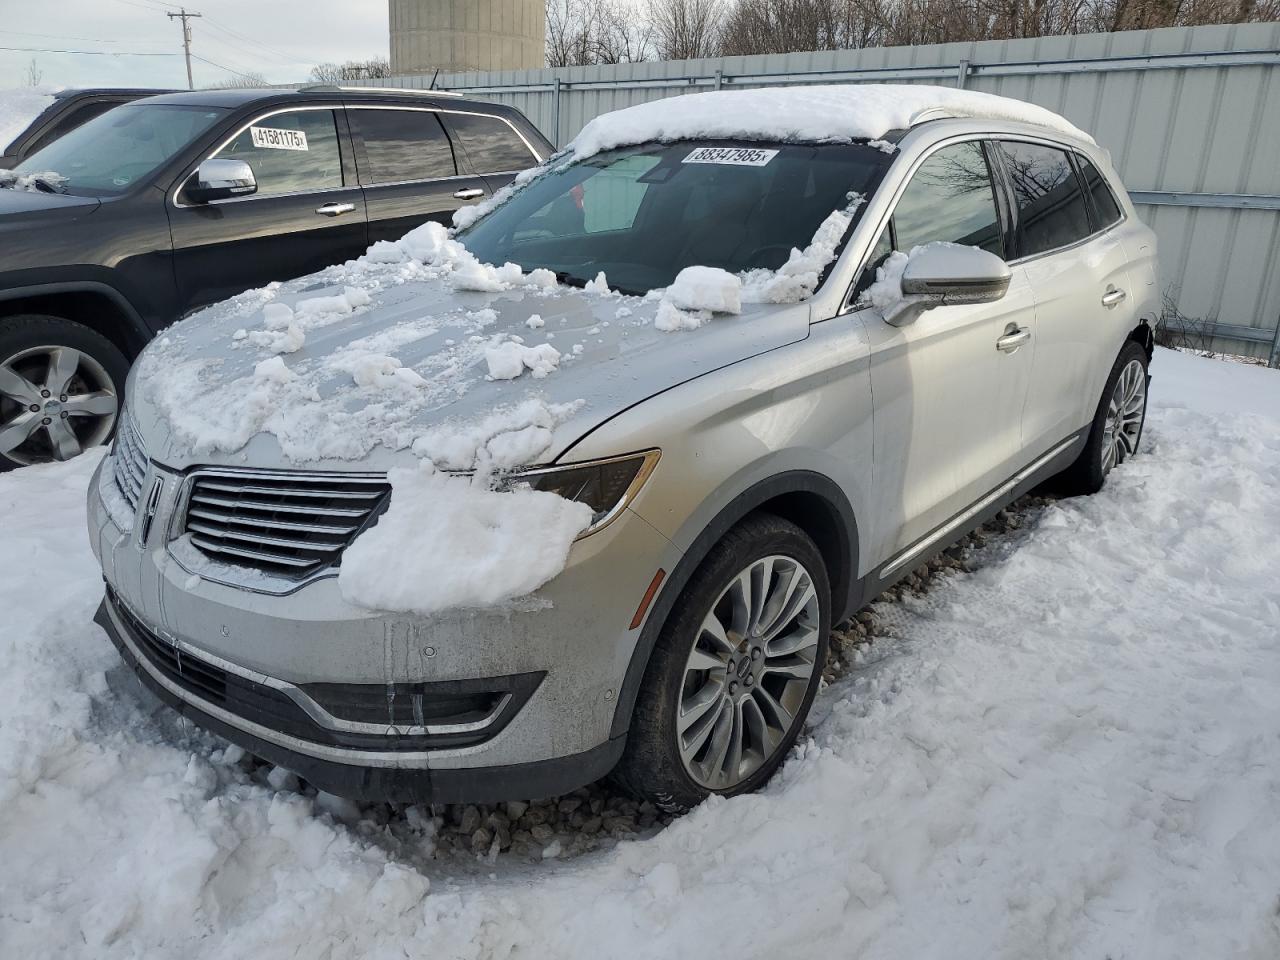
<point x="186" y="40"/>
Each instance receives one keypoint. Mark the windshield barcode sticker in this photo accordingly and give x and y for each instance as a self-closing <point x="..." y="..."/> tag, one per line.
<point x="737" y="156"/>
<point x="275" y="138"/>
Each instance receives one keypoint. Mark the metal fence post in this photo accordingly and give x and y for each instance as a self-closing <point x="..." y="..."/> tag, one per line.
<point x="555" y="113"/>
<point x="962" y="74"/>
<point x="719" y="78"/>
<point x="1274" y="360"/>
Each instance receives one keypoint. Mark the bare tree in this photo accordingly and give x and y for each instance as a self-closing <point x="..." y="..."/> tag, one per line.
<point x="371" y="69"/>
<point x="582" y="32"/>
<point x="240" y="81"/>
<point x="34" y="73"/>
<point x="685" y="29"/>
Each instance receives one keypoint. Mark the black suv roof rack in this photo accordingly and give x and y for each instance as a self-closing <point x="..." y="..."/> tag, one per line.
<point x="338" y="87"/>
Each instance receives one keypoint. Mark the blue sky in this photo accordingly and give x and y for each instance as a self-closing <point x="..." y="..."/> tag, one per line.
<point x="279" y="38"/>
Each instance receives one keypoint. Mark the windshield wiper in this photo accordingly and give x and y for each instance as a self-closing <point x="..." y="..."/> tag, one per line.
<point x="11" y="180"/>
<point x="572" y="280"/>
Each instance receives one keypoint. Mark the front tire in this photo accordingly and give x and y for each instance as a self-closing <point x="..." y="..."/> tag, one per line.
<point x="60" y="389"/>
<point x="734" y="671"/>
<point x="1117" y="425"/>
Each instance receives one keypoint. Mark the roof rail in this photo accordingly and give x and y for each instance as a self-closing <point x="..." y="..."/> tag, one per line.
<point x="337" y="87"/>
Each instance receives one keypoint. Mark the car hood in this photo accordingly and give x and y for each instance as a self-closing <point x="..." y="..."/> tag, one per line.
<point x="215" y="389"/>
<point x="35" y="206"/>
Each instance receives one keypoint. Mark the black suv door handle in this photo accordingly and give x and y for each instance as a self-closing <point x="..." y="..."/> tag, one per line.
<point x="334" y="209"/>
<point x="469" y="193"/>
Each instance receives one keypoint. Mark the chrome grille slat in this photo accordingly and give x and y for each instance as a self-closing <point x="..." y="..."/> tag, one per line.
<point x="277" y="507"/>
<point x="216" y="531"/>
<point x="270" y="524"/>
<point x="287" y="524"/>
<point x="256" y="491"/>
<point x="129" y="462"/>
<point x="210" y="546"/>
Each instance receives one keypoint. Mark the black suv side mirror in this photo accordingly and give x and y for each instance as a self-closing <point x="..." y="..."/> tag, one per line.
<point x="217" y="179"/>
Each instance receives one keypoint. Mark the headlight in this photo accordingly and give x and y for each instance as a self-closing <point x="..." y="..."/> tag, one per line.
<point x="606" y="486"/>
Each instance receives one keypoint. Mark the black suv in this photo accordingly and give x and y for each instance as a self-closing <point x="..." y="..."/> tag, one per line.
<point x="164" y="205"/>
<point x="69" y="109"/>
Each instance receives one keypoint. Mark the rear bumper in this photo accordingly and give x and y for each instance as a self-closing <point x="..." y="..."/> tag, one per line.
<point x="346" y="771"/>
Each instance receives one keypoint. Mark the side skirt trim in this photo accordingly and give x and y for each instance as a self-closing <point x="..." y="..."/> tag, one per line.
<point x="921" y="546"/>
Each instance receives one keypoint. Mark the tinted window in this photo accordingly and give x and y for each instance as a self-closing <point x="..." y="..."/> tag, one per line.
<point x="402" y="145"/>
<point x="290" y="152"/>
<point x="1051" y="208"/>
<point x="1104" y="201"/>
<point x="949" y="198"/>
<point x="113" y="151"/>
<point x="490" y="145"/>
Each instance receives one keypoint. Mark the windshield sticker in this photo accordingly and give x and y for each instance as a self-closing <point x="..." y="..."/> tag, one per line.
<point x="734" y="156"/>
<point x="275" y="138"/>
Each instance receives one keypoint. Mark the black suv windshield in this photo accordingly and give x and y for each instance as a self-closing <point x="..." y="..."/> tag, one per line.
<point x="113" y="151"/>
<point x="642" y="214"/>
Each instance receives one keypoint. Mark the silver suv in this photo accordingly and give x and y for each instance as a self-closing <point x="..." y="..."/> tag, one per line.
<point x="915" y="330"/>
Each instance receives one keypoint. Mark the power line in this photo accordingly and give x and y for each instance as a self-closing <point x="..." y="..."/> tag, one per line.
<point x="246" y="39"/>
<point x="54" y="36"/>
<point x="93" y="53"/>
<point x="236" y="73"/>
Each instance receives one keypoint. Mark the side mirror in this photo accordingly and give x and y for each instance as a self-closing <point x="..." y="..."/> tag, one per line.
<point x="945" y="274"/>
<point x="218" y="179"/>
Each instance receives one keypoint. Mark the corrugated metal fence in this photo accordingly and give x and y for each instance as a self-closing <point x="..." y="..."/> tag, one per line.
<point x="1190" y="115"/>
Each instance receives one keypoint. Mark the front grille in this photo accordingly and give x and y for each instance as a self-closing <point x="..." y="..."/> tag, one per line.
<point x="445" y="702"/>
<point x="129" y="462"/>
<point x="287" y="524"/>
<point x="201" y="678"/>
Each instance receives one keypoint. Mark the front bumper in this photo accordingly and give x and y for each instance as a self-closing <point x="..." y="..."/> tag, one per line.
<point x="552" y="668"/>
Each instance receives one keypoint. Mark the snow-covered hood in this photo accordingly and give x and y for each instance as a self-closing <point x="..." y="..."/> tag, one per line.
<point x="377" y="364"/>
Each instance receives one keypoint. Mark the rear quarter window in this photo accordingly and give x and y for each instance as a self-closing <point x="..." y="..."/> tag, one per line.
<point x="1052" y="211"/>
<point x="1104" y="201"/>
<point x="489" y="143"/>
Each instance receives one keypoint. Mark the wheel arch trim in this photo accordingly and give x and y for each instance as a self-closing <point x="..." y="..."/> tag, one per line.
<point x="844" y="580"/>
<point x="138" y="329"/>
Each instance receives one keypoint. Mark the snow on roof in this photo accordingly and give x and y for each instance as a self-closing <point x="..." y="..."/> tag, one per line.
<point x="827" y="113"/>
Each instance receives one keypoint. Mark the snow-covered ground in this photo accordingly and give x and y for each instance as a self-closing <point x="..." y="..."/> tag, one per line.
<point x="1072" y="751"/>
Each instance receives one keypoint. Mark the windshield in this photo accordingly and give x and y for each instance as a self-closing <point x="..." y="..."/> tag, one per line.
<point x="642" y="214"/>
<point x="111" y="152"/>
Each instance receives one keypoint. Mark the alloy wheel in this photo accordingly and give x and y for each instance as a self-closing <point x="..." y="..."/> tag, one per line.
<point x="1125" y="413"/>
<point x="747" y="674"/>
<point x="55" y="401"/>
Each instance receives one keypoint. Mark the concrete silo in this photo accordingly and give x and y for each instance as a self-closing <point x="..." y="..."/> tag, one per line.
<point x="460" y="35"/>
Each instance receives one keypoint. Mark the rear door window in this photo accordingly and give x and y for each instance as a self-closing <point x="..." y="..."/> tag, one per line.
<point x="490" y="144"/>
<point x="1051" y="208"/>
<point x="949" y="198"/>
<point x="294" y="152"/>
<point x="1104" y="201"/>
<point x="401" y="145"/>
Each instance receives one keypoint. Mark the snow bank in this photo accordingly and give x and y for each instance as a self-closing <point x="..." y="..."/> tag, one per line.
<point x="18" y="108"/>
<point x="812" y="114"/>
<point x="1070" y="752"/>
<point x="450" y="541"/>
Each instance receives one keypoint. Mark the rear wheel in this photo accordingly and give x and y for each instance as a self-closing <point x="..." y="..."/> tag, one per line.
<point x="734" y="671"/>
<point x="1117" y="425"/>
<point x="60" y="389"/>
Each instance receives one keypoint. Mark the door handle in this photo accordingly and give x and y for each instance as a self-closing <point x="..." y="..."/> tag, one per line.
<point x="468" y="193"/>
<point x="1112" y="297"/>
<point x="334" y="209"/>
<point x="1012" y="340"/>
